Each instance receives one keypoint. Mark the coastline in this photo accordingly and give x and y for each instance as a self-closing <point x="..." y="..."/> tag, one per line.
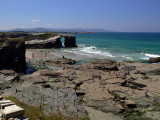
<point x="70" y="82"/>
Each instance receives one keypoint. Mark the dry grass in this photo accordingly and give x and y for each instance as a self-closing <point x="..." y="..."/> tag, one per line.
<point x="36" y="113"/>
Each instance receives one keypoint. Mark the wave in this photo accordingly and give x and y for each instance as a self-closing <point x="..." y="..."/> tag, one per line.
<point x="94" y="50"/>
<point x="77" y="52"/>
<point x="152" y="55"/>
<point x="144" y="58"/>
<point x="130" y="58"/>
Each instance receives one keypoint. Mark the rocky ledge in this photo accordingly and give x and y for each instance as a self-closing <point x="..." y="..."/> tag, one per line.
<point x="54" y="42"/>
<point x="128" y="89"/>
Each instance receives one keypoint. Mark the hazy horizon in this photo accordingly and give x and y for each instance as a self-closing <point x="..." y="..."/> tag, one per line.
<point x="118" y="16"/>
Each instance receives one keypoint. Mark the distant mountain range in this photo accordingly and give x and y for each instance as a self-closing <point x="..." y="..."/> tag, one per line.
<point x="40" y="29"/>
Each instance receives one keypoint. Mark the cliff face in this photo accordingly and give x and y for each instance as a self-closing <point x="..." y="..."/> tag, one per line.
<point x="70" y="41"/>
<point x="54" y="42"/>
<point x="13" y="56"/>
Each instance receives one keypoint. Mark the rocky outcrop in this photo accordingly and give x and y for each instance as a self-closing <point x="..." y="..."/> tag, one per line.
<point x="70" y="41"/>
<point x="52" y="100"/>
<point x="62" y="61"/>
<point x="12" y="53"/>
<point x="7" y="76"/>
<point x="154" y="60"/>
<point x="54" y="42"/>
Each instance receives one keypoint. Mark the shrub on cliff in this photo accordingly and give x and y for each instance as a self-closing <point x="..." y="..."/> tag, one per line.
<point x="40" y="36"/>
<point x="13" y="41"/>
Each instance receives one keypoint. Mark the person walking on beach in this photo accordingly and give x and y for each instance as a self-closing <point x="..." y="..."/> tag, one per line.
<point x="127" y="83"/>
<point x="43" y="63"/>
<point x="32" y="55"/>
<point x="116" y="75"/>
<point x="146" y="94"/>
<point x="109" y="71"/>
<point x="45" y="54"/>
<point x="29" y="61"/>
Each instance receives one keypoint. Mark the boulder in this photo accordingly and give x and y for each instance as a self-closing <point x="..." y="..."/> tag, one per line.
<point x="7" y="72"/>
<point x="114" y="108"/>
<point x="46" y="85"/>
<point x="80" y="93"/>
<point x="154" y="60"/>
<point x="8" y="76"/>
<point x="130" y="103"/>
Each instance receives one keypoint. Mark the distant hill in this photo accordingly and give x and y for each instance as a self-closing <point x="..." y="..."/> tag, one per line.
<point x="57" y="30"/>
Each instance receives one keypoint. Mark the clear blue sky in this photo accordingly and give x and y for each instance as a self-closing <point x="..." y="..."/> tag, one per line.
<point x="114" y="15"/>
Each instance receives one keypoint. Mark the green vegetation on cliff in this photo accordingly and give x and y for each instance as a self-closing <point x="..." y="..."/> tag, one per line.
<point x="11" y="41"/>
<point x="40" y="36"/>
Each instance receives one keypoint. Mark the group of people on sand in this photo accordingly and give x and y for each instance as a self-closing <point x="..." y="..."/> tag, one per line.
<point x="40" y="62"/>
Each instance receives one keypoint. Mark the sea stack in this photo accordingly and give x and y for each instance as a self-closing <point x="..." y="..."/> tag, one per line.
<point x="70" y="41"/>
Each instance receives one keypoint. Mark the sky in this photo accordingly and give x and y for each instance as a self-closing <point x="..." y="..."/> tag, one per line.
<point x="112" y="15"/>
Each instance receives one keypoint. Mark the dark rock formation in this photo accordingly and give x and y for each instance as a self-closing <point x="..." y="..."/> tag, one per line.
<point x="62" y="61"/>
<point x="70" y="41"/>
<point x="54" y="42"/>
<point x="154" y="60"/>
<point x="12" y="53"/>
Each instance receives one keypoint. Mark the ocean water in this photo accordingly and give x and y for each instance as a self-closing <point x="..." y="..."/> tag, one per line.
<point x="117" y="46"/>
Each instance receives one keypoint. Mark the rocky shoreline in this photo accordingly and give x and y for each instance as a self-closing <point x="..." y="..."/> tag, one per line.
<point x="119" y="90"/>
<point x="127" y="89"/>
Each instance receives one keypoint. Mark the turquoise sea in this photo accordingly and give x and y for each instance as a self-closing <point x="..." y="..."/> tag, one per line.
<point x="117" y="46"/>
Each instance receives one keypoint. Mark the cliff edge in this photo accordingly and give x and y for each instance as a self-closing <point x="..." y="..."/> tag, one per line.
<point x="12" y="53"/>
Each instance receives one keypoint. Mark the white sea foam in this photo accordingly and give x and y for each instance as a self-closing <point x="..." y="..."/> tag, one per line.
<point x="144" y="58"/>
<point x="129" y="58"/>
<point x="93" y="50"/>
<point x="152" y="55"/>
<point x="55" y="54"/>
<point x="69" y="51"/>
<point x="77" y="52"/>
